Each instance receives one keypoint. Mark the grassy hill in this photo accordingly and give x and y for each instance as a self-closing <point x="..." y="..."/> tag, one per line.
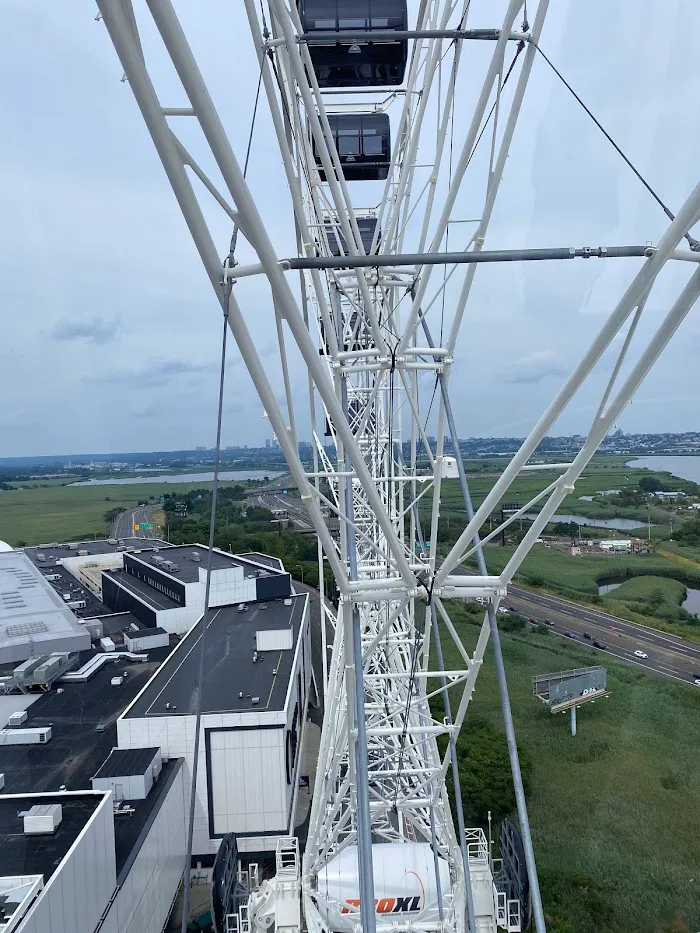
<point x="615" y="811"/>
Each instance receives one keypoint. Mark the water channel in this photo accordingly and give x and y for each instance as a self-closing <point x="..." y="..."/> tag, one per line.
<point x="179" y="478"/>
<point x="621" y="524"/>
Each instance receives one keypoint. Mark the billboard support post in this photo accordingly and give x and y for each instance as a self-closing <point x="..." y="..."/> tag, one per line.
<point x="573" y="720"/>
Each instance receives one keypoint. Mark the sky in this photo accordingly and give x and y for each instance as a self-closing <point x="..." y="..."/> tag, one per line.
<point x="110" y="330"/>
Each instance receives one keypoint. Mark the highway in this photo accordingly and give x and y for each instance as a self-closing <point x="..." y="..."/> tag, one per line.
<point x="666" y="655"/>
<point x="297" y="513"/>
<point x="123" y="527"/>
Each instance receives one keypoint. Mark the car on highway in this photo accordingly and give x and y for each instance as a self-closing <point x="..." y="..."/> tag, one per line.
<point x="503" y="609"/>
<point x="696" y="679"/>
<point x="588" y="636"/>
<point x="599" y="644"/>
<point x="641" y="654"/>
<point x="568" y="635"/>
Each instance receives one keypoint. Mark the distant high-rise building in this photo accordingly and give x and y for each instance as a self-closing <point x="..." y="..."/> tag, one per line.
<point x="267" y="442"/>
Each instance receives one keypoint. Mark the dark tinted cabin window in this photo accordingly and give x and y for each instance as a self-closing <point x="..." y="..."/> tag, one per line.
<point x="372" y="145"/>
<point x="348" y="142"/>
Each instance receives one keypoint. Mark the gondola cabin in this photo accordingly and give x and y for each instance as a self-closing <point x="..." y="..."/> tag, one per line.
<point x="357" y="62"/>
<point x="363" y="141"/>
<point x="336" y="239"/>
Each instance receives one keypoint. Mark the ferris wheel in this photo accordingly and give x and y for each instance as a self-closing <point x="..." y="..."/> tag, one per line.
<point x="363" y="101"/>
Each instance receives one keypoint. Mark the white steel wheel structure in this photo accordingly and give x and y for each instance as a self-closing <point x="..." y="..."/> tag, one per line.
<point x="376" y="324"/>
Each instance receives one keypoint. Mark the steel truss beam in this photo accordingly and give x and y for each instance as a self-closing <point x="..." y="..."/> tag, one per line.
<point x="388" y="695"/>
<point x="378" y="261"/>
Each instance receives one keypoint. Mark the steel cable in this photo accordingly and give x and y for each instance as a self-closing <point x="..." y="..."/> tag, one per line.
<point x="206" y="622"/>
<point x="692" y="242"/>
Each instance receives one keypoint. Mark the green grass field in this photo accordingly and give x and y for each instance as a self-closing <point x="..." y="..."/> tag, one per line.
<point x="64" y="513"/>
<point x="641" y="589"/>
<point x="603" y="474"/>
<point x="615" y="811"/>
<point x="578" y="578"/>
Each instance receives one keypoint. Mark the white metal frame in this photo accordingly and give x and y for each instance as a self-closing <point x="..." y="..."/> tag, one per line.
<point x="381" y="775"/>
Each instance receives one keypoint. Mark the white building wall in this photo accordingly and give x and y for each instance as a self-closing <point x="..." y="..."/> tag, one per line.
<point x="77" y="894"/>
<point x="175" y="737"/>
<point x="227" y="590"/>
<point x="248" y="781"/>
<point x="127" y="786"/>
<point x="178" y="621"/>
<point x="145" y="897"/>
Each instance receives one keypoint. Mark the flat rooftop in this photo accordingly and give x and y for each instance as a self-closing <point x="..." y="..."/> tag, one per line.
<point x="57" y="550"/>
<point x="274" y="563"/>
<point x="115" y="622"/>
<point x="41" y="855"/>
<point x="147" y="594"/>
<point x="30" y="607"/>
<point x="229" y="666"/>
<point x="191" y="557"/>
<point x="127" y="761"/>
<point x="76" y="750"/>
<point x="69" y="584"/>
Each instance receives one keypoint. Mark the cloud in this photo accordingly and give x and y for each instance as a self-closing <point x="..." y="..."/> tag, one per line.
<point x="535" y="367"/>
<point x="155" y="373"/>
<point x="93" y="329"/>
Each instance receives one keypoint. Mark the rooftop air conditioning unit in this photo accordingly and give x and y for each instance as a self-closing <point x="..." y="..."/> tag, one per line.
<point x="43" y="818"/>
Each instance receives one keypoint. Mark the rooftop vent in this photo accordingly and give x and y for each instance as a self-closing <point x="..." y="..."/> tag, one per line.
<point x="26" y="628"/>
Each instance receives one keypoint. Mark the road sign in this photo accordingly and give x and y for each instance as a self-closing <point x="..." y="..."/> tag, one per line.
<point x="284" y="492"/>
<point x="137" y="528"/>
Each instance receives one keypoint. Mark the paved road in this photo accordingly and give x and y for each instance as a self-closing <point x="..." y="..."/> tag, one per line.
<point x="123" y="527"/>
<point x="294" y="506"/>
<point x="666" y="654"/>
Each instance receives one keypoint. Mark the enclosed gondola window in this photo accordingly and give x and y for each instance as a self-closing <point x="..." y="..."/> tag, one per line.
<point x="363" y="141"/>
<point x="355" y="62"/>
<point x="366" y="224"/>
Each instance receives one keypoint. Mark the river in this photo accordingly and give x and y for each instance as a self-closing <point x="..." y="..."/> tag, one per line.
<point x="621" y="524"/>
<point x="179" y="478"/>
<point x="685" y="467"/>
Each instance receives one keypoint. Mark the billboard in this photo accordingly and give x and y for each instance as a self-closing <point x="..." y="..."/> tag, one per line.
<point x="570" y="688"/>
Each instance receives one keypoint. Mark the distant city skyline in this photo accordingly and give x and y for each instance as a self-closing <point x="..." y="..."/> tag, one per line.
<point x="686" y="441"/>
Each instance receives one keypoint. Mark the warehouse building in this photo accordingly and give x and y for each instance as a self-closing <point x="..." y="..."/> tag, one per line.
<point x="165" y="587"/>
<point x="71" y="861"/>
<point x="34" y="619"/>
<point x="254" y="701"/>
<point x="111" y="852"/>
